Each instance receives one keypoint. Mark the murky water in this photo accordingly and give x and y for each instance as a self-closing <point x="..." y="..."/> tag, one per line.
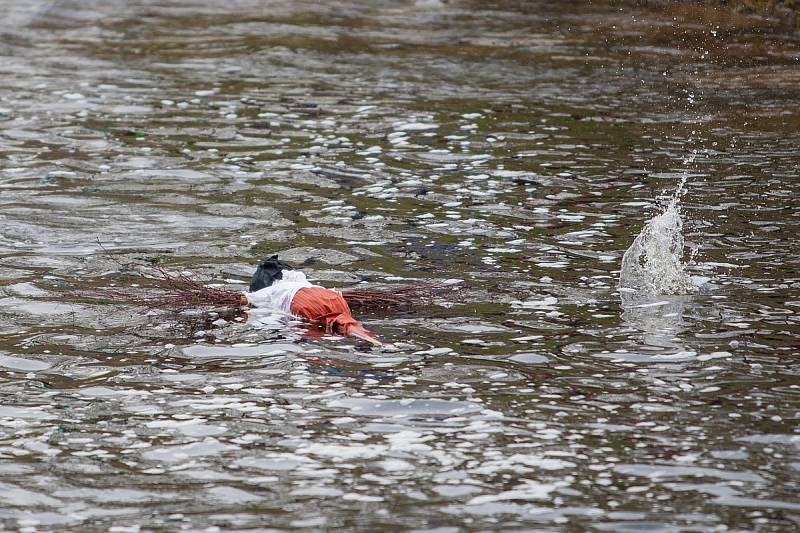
<point x="520" y="147"/>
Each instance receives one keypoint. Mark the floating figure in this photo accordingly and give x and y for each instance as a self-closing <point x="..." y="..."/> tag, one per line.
<point x="276" y="285"/>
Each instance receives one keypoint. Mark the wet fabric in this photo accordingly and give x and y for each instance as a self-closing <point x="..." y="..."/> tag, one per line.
<point x="268" y="272"/>
<point x="281" y="292"/>
<point x="329" y="309"/>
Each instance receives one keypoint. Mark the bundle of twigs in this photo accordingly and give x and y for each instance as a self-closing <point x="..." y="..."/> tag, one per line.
<point x="409" y="296"/>
<point x="172" y="292"/>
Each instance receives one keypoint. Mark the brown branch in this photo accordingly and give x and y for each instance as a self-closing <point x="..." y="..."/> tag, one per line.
<point x="402" y="297"/>
<point x="167" y="291"/>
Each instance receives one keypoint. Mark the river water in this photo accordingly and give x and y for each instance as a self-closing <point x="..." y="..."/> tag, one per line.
<point x="520" y="147"/>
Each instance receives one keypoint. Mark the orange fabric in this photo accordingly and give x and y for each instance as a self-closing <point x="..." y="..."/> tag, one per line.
<point x="329" y="309"/>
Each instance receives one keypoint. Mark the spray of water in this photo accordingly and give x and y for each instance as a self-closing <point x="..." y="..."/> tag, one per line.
<point x="654" y="265"/>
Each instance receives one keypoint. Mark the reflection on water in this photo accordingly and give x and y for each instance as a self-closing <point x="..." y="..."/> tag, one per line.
<point x="661" y="320"/>
<point x="516" y="146"/>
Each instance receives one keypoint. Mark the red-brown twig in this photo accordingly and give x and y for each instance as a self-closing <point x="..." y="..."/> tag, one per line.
<point x="403" y="297"/>
<point x="167" y="291"/>
<point x="171" y="292"/>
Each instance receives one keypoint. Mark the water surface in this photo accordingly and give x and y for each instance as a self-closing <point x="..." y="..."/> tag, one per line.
<point x="518" y="147"/>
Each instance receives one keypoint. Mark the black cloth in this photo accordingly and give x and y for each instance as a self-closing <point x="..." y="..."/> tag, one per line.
<point x="267" y="272"/>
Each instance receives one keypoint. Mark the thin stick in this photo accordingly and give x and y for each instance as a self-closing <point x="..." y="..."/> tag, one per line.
<point x="169" y="292"/>
<point x="402" y="297"/>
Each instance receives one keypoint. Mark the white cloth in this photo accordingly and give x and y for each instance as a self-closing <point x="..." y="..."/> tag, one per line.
<point x="280" y="294"/>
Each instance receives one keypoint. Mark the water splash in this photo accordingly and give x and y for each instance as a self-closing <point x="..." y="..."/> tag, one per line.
<point x="654" y="263"/>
